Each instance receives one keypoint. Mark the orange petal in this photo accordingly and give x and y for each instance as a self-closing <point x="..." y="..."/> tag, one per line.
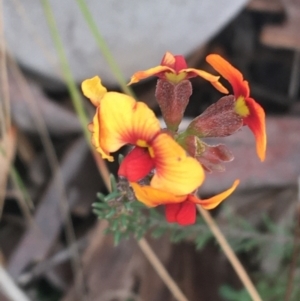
<point x="152" y="197"/>
<point x="234" y="76"/>
<point x="257" y="124"/>
<point x="175" y="171"/>
<point x="214" y="80"/>
<point x="93" y="89"/>
<point x="136" y="77"/>
<point x="213" y="202"/>
<point x="122" y="120"/>
<point x="168" y="60"/>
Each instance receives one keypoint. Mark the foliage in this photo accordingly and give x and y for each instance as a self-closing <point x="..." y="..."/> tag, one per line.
<point x="128" y="217"/>
<point x="271" y="288"/>
<point x="276" y="245"/>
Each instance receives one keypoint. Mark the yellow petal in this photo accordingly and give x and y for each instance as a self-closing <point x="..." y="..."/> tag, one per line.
<point x="136" y="77"/>
<point x="175" y="171"/>
<point x="175" y="78"/>
<point x="214" y="80"/>
<point x="93" y="89"/>
<point x="95" y="129"/>
<point x="152" y="197"/>
<point x="241" y="108"/>
<point x="122" y="120"/>
<point x="214" y="201"/>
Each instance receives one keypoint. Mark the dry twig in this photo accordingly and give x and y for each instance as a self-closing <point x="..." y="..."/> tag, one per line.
<point x="236" y="264"/>
<point x="9" y="288"/>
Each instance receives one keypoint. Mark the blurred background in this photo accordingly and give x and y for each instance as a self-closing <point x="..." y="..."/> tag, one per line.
<point x="51" y="245"/>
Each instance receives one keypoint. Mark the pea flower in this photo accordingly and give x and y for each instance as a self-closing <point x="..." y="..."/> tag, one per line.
<point x="166" y="167"/>
<point x="173" y="68"/>
<point x="178" y="208"/>
<point x="120" y="120"/>
<point x="173" y="88"/>
<point x="247" y="108"/>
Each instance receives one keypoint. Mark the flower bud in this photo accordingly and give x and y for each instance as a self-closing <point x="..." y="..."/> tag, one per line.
<point x="173" y="99"/>
<point x="211" y="157"/>
<point x="218" y="120"/>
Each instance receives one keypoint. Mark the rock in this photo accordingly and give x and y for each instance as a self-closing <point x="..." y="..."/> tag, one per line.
<point x="138" y="33"/>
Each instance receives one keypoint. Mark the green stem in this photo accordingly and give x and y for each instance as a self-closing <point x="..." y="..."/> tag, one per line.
<point x="103" y="47"/>
<point x="73" y="90"/>
<point x="21" y="186"/>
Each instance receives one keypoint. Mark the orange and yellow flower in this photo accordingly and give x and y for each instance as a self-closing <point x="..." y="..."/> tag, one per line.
<point x="174" y="170"/>
<point x="173" y="68"/>
<point x="171" y="169"/>
<point x="179" y="208"/>
<point x="120" y="120"/>
<point x="251" y="112"/>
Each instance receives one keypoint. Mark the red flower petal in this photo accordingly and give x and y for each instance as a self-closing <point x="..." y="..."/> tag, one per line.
<point x="187" y="214"/>
<point x="183" y="213"/>
<point x="180" y="63"/>
<point x="256" y="122"/>
<point x="171" y="211"/>
<point x="136" y="165"/>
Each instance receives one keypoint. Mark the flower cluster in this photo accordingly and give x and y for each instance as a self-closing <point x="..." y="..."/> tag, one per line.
<point x="166" y="167"/>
